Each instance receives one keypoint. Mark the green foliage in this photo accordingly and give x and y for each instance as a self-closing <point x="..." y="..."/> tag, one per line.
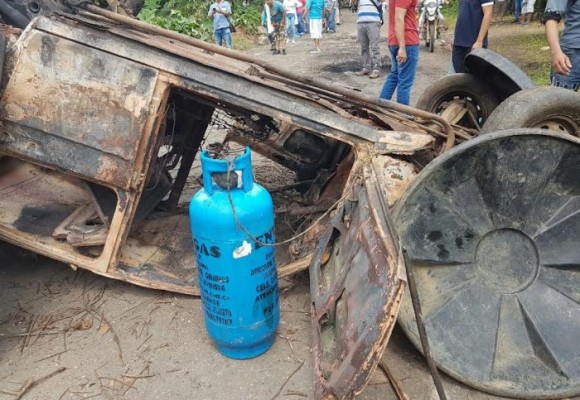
<point x="248" y="18"/>
<point x="190" y="16"/>
<point x="450" y="12"/>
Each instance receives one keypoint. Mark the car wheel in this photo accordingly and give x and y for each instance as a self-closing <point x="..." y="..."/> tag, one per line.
<point x="461" y="99"/>
<point x="552" y="108"/>
<point x="490" y="230"/>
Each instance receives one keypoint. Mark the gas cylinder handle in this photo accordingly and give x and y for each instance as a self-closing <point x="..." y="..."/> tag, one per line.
<point x="241" y="163"/>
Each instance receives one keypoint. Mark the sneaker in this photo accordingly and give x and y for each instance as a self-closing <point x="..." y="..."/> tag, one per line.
<point x="315" y="51"/>
<point x="276" y="52"/>
<point x="375" y="74"/>
<point x="363" y="72"/>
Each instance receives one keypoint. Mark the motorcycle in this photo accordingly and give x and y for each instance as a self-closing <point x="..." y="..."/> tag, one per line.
<point x="431" y="22"/>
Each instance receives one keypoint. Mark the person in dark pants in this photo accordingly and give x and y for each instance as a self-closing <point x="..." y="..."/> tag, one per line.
<point x="404" y="48"/>
<point x="471" y="30"/>
<point x="517" y="10"/>
<point x="565" y="49"/>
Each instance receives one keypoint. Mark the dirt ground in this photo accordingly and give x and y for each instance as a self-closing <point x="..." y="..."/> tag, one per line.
<point x="340" y="59"/>
<point x="103" y="339"/>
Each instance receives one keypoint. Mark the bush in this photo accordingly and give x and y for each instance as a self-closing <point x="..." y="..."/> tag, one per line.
<point x="190" y="16"/>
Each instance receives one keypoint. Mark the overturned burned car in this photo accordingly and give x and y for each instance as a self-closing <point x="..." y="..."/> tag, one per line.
<point x="101" y="120"/>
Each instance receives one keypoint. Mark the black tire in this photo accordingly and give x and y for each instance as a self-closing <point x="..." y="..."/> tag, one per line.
<point x="551" y="108"/>
<point x="431" y="37"/>
<point x="480" y="96"/>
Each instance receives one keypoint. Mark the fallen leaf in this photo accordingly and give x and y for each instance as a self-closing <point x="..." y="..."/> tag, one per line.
<point x="104" y="328"/>
<point x="83" y="325"/>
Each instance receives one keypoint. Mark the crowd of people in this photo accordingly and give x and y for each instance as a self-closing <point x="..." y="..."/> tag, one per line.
<point x="288" y="19"/>
<point x="471" y="32"/>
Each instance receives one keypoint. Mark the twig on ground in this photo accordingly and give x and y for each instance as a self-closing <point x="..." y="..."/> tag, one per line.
<point x="101" y="315"/>
<point x="14" y="335"/>
<point x="63" y="394"/>
<point x="136" y="306"/>
<point x="43" y="326"/>
<point x="295" y="393"/>
<point x="27" y="336"/>
<point x="51" y="356"/>
<point x="31" y="383"/>
<point x="287" y="380"/>
<point x="394" y="383"/>
<point x="138" y="376"/>
<point x="289" y="340"/>
<point x="145" y="341"/>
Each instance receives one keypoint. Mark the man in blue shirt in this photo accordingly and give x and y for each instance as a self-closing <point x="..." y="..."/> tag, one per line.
<point x="471" y="30"/>
<point x="220" y="12"/>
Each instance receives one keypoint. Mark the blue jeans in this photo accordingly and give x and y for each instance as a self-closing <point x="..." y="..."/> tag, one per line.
<point x="402" y="76"/>
<point x="331" y="21"/>
<point x="223" y="35"/>
<point x="300" y="30"/>
<point x="518" y="9"/>
<point x="572" y="80"/>
<point x="291" y="28"/>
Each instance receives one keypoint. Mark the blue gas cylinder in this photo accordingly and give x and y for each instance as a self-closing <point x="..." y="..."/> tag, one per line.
<point x="237" y="275"/>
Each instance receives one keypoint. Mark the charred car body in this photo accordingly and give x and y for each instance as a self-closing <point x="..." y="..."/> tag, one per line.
<point x="102" y="117"/>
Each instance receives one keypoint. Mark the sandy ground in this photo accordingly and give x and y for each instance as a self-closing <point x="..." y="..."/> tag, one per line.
<point x="115" y="340"/>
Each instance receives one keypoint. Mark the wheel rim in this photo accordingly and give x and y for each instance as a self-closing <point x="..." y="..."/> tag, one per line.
<point x="475" y="114"/>
<point x="560" y="124"/>
<point x="491" y="230"/>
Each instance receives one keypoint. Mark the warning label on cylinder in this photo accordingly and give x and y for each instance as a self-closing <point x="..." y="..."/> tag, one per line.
<point x="217" y="282"/>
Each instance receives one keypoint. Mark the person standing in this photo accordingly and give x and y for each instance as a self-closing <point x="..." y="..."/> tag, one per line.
<point x="517" y="10"/>
<point x="274" y="20"/>
<point x="330" y="13"/>
<point x="473" y="23"/>
<point x="368" y="25"/>
<point x="291" y="18"/>
<point x="300" y="17"/>
<point x="527" y="11"/>
<point x="566" y="49"/>
<point x="315" y="12"/>
<point x="220" y="12"/>
<point x="404" y="48"/>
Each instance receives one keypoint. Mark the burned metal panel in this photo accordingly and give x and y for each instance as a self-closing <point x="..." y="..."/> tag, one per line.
<point x="66" y="155"/>
<point x="160" y="250"/>
<point x="355" y="294"/>
<point x="81" y="96"/>
<point x="395" y="175"/>
<point x="211" y="74"/>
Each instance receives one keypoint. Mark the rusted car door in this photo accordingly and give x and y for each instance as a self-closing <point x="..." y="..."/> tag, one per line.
<point x="356" y="284"/>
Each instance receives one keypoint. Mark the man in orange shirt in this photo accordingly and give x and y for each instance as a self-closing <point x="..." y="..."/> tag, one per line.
<point x="404" y="47"/>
